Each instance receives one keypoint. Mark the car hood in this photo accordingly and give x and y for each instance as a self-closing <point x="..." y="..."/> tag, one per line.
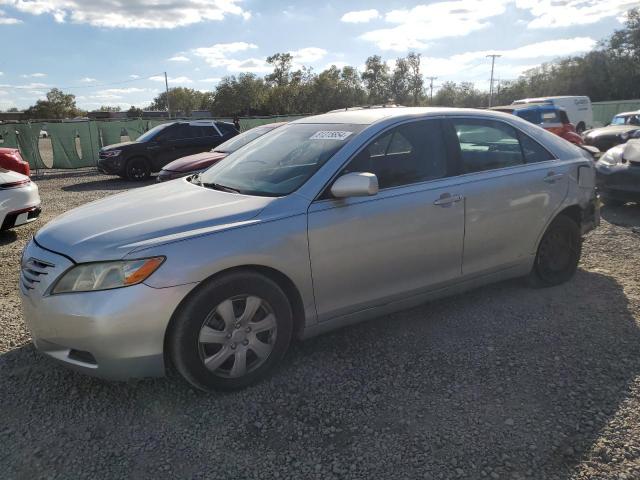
<point x="195" y="162"/>
<point x="110" y="228"/>
<point x="611" y="130"/>
<point x="115" y="146"/>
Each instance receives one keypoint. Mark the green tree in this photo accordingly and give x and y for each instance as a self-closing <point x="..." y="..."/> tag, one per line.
<point x="108" y="108"/>
<point x="57" y="105"/>
<point x="416" y="81"/>
<point x="399" y="84"/>
<point x="281" y="68"/>
<point x="183" y="101"/>
<point x="376" y="79"/>
<point x="134" y="112"/>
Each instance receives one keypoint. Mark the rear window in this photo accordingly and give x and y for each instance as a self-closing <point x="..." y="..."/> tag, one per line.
<point x="550" y="117"/>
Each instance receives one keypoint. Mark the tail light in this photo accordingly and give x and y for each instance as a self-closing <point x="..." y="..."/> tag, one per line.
<point x="18" y="184"/>
<point x="25" y="169"/>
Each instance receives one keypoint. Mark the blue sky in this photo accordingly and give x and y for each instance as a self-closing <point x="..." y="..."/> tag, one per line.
<point x="113" y="52"/>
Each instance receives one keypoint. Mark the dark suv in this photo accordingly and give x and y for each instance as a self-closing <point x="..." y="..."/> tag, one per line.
<point x="161" y="145"/>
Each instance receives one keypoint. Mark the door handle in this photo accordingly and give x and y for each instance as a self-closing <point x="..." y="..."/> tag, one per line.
<point x="552" y="177"/>
<point x="447" y="199"/>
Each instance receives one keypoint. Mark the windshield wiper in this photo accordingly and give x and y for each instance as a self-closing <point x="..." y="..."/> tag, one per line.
<point x="223" y="188"/>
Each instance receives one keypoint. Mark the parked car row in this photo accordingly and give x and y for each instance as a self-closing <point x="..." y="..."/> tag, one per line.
<point x="150" y="152"/>
<point x="319" y="223"/>
<point x="19" y="198"/>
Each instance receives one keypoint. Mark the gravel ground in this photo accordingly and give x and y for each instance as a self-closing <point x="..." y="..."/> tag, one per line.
<point x="503" y="382"/>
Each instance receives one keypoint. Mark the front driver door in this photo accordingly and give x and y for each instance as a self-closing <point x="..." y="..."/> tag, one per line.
<point x="367" y="251"/>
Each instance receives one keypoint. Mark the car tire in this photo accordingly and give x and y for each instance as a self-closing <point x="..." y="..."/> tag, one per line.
<point x="216" y="343"/>
<point x="558" y="253"/>
<point x="138" y="169"/>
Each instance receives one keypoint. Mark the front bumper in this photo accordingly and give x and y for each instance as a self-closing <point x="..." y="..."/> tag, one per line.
<point x="114" y="334"/>
<point x="111" y="165"/>
<point x="20" y="217"/>
<point x="620" y="182"/>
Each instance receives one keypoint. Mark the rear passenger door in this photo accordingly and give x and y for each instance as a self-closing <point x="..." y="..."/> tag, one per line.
<point x="512" y="186"/>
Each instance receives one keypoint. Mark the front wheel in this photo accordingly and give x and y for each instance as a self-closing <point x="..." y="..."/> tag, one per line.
<point x="558" y="253"/>
<point x="231" y="332"/>
<point x="138" y="169"/>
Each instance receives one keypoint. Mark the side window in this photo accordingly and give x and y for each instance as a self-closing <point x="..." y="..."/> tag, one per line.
<point x="177" y="132"/>
<point x="410" y="153"/>
<point x="550" y="117"/>
<point x="532" y="116"/>
<point x="533" y="151"/>
<point x="487" y="145"/>
<point x="207" y="131"/>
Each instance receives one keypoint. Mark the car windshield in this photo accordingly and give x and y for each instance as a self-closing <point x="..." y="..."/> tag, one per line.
<point x="241" y="140"/>
<point x="145" y="137"/>
<point x="619" y="120"/>
<point x="279" y="163"/>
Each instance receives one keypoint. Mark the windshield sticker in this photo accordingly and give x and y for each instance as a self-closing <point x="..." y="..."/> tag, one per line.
<point x="330" y="135"/>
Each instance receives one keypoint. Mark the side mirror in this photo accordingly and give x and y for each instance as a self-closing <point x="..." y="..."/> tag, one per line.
<point x="355" y="184"/>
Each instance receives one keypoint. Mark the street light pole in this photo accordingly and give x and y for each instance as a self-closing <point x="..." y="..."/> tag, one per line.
<point x="493" y="62"/>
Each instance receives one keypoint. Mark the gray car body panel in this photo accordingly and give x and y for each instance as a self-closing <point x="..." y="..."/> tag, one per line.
<point x="349" y="259"/>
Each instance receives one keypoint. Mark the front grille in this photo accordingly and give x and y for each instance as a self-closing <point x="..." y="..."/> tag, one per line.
<point x="32" y="272"/>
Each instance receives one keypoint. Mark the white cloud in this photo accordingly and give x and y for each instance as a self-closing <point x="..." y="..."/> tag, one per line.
<point x="553" y="14"/>
<point x="174" y="80"/>
<point x="308" y="54"/>
<point x="416" y="26"/>
<point x="210" y="80"/>
<point x="123" y="91"/>
<point x="135" y="77"/>
<point x="218" y="56"/>
<point x="88" y="80"/>
<point x="33" y="75"/>
<point x="179" y="58"/>
<point x="4" y="20"/>
<point x="360" y="16"/>
<point x="131" y="13"/>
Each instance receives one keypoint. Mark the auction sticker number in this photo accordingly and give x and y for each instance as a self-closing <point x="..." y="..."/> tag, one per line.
<point x="330" y="135"/>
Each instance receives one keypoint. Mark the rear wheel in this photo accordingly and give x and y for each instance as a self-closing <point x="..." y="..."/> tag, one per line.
<point x="138" y="169"/>
<point x="232" y="332"/>
<point x="558" y="253"/>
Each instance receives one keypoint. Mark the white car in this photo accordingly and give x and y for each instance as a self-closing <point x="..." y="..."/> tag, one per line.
<point x="19" y="199"/>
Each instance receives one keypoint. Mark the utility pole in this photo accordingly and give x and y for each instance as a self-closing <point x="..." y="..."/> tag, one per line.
<point x="166" y="85"/>
<point x="493" y="62"/>
<point x="431" y="79"/>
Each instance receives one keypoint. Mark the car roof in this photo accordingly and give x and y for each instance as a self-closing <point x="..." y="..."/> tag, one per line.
<point x="543" y="99"/>
<point x="369" y="116"/>
<point x="637" y="112"/>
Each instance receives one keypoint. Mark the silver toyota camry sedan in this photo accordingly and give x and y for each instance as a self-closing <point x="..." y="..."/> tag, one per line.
<point x="326" y="221"/>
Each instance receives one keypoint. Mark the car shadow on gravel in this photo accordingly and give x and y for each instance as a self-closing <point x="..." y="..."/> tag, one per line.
<point x="624" y="216"/>
<point x="7" y="237"/>
<point x="108" y="184"/>
<point x="502" y="382"/>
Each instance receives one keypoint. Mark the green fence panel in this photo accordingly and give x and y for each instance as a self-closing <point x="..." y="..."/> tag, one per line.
<point x="28" y="138"/>
<point x="74" y="144"/>
<point x="603" y="112"/>
<point x="9" y="137"/>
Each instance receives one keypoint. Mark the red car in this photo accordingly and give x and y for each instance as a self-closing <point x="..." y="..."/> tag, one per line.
<point x="10" y="159"/>
<point x="201" y="161"/>
<point x="546" y="116"/>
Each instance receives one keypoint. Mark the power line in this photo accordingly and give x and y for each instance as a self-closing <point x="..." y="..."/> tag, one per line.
<point x="74" y="87"/>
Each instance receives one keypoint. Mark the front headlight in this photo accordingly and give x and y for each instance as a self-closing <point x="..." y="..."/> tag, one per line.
<point x="106" y="275"/>
<point x="111" y="153"/>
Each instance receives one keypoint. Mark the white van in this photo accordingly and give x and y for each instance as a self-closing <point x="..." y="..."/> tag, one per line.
<point x="578" y="109"/>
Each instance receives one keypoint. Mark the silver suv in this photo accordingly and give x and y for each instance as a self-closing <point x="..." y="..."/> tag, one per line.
<point x="320" y="223"/>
